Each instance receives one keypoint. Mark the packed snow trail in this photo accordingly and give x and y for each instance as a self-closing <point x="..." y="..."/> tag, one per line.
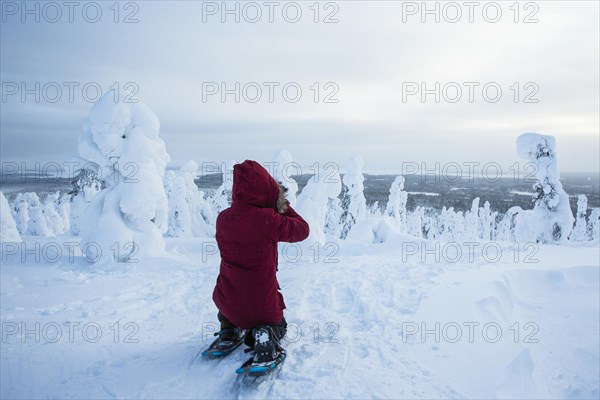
<point x="347" y="334"/>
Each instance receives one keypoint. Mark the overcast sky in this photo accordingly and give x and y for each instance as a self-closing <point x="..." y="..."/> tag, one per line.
<point x="370" y="57"/>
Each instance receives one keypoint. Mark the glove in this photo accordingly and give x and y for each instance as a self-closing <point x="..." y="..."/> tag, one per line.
<point x="282" y="202"/>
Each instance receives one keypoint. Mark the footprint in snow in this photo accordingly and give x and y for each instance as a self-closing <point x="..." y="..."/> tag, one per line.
<point x="344" y="299"/>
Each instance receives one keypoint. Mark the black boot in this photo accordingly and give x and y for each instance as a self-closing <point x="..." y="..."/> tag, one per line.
<point x="228" y="340"/>
<point x="268" y="353"/>
<point x="266" y="346"/>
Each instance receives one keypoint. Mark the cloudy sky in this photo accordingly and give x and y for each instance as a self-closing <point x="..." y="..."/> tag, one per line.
<point x="373" y="59"/>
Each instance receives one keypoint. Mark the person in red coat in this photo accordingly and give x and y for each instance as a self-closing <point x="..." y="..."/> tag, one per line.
<point x="247" y="291"/>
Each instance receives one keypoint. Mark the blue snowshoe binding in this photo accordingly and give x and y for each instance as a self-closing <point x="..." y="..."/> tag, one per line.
<point x="268" y="353"/>
<point x="228" y="340"/>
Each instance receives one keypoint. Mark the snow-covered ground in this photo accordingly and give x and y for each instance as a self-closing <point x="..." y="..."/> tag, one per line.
<point x="382" y="303"/>
<point x="362" y="322"/>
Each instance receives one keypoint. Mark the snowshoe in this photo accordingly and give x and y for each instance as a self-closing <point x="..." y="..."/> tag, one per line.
<point x="228" y="340"/>
<point x="268" y="354"/>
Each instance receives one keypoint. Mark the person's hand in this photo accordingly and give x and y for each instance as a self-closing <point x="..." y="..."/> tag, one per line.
<point x="282" y="202"/>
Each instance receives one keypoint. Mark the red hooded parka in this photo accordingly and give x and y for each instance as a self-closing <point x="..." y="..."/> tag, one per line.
<point x="247" y="291"/>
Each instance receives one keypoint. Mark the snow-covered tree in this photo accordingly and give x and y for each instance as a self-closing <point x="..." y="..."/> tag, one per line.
<point x="594" y="225"/>
<point x="29" y="215"/>
<point x="443" y="222"/>
<point x="8" y="226"/>
<point x="314" y="203"/>
<point x="354" y="204"/>
<point x="202" y="213"/>
<point x="281" y="167"/>
<point x="129" y="214"/>
<point x="415" y="222"/>
<point x="222" y="198"/>
<point x="202" y="217"/>
<point x="429" y="227"/>
<point x="506" y="227"/>
<point x="37" y="225"/>
<point x="20" y="211"/>
<point x="54" y="212"/>
<point x="180" y="218"/>
<point x="374" y="210"/>
<point x="84" y="185"/>
<point x="472" y="221"/>
<point x="63" y="207"/>
<point x="524" y="221"/>
<point x="579" y="233"/>
<point x="487" y="219"/>
<point x="450" y="225"/>
<point x="396" y="206"/>
<point x="457" y="225"/>
<point x="553" y="219"/>
<point x="332" y="218"/>
<point x="516" y="226"/>
<point x="187" y="209"/>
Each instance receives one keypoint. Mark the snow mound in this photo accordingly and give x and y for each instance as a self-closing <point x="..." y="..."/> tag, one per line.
<point x="515" y="321"/>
